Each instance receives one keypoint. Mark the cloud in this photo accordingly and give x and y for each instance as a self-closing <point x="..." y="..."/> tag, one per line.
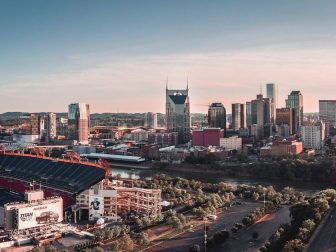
<point x="112" y="82"/>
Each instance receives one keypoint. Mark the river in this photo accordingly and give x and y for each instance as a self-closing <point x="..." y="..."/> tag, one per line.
<point x="308" y="188"/>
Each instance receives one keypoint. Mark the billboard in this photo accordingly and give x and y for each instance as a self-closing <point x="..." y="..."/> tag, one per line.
<point x="96" y="207"/>
<point x="39" y="215"/>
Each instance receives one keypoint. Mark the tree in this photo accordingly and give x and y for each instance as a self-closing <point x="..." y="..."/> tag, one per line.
<point x="126" y="243"/>
<point x="195" y="248"/>
<point x="295" y="245"/>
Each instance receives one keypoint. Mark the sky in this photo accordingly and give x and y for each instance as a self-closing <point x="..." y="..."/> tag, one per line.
<point x="117" y="55"/>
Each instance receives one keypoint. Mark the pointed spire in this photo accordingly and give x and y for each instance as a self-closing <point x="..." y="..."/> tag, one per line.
<point x="187" y="83"/>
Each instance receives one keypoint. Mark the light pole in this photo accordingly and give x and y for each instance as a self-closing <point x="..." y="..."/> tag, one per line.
<point x="205" y="236"/>
<point x="264" y="197"/>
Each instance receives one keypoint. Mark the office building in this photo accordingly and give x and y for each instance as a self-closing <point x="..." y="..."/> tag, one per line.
<point x="285" y="116"/>
<point x="248" y="114"/>
<point x="312" y="136"/>
<point x="178" y="113"/>
<point x="207" y="137"/>
<point x="232" y="143"/>
<point x="150" y="120"/>
<point x="79" y="122"/>
<point x="163" y="138"/>
<point x="271" y="94"/>
<point x="295" y="101"/>
<point x="238" y="116"/>
<point x="327" y="114"/>
<point x="261" y="115"/>
<point x="51" y="126"/>
<point x="217" y="116"/>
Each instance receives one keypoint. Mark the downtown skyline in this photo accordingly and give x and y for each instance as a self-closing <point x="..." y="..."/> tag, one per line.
<point x="107" y="54"/>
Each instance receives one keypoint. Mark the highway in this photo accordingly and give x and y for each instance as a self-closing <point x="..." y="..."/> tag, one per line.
<point x="225" y="220"/>
<point x="325" y="238"/>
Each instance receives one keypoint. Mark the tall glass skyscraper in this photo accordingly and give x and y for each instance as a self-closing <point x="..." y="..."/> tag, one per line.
<point x="271" y="94"/>
<point x="238" y="116"/>
<point x="217" y="116"/>
<point x="178" y="113"/>
<point x="295" y="101"/>
<point x="79" y="122"/>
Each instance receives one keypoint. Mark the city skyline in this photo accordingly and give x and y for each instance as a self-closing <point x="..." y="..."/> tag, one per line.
<point x="102" y="53"/>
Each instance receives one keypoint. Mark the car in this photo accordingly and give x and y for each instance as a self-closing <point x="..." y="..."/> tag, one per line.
<point x="47" y="217"/>
<point x="212" y="217"/>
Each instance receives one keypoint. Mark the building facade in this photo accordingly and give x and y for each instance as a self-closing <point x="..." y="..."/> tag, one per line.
<point x="272" y="95"/>
<point x="238" y="116"/>
<point x="312" y="136"/>
<point x="79" y="122"/>
<point x="295" y="101"/>
<point x="217" y="116"/>
<point x="232" y="143"/>
<point x="151" y="120"/>
<point x="51" y="127"/>
<point x="207" y="137"/>
<point x="178" y="114"/>
<point x="285" y="116"/>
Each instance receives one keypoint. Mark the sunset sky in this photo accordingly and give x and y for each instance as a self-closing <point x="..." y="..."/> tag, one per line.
<point x="116" y="55"/>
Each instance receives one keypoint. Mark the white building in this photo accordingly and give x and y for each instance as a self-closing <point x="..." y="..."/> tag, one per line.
<point x="139" y="135"/>
<point x="312" y="137"/>
<point x="231" y="143"/>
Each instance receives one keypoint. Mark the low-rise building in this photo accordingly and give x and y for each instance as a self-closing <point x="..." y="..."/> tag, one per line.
<point x="232" y="143"/>
<point x="207" y="137"/>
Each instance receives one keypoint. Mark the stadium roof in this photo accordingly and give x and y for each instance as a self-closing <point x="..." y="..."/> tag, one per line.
<point x="122" y="158"/>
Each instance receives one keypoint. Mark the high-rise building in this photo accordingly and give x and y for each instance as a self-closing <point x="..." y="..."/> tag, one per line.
<point x="150" y="120"/>
<point x="327" y="113"/>
<point x="79" y="122"/>
<point x="217" y="116"/>
<point x="285" y="116"/>
<point x="311" y="136"/>
<point x="261" y="115"/>
<point x="51" y="126"/>
<point x="238" y="116"/>
<point x="178" y="113"/>
<point x="248" y="114"/>
<point x="295" y="101"/>
<point x="34" y="125"/>
<point x="271" y="94"/>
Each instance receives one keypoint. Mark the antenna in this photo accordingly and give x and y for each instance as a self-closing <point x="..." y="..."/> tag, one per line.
<point x="167" y="83"/>
<point x="260" y="89"/>
<point x="187" y="83"/>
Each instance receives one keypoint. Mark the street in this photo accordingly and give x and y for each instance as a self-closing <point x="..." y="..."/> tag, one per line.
<point x="225" y="220"/>
<point x="325" y="238"/>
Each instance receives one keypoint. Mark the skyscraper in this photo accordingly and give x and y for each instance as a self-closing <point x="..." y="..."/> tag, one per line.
<point x="248" y="114"/>
<point x="261" y="115"/>
<point x="178" y="113"/>
<point x="327" y="112"/>
<point x="51" y="126"/>
<point x="295" y="101"/>
<point x="150" y="120"/>
<point x="285" y="116"/>
<point x="272" y="93"/>
<point x="79" y="122"/>
<point x="217" y="116"/>
<point x="238" y="116"/>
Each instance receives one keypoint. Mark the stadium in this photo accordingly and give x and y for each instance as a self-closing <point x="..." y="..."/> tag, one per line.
<point x="65" y="177"/>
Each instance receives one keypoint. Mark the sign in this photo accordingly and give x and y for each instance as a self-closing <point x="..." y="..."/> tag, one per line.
<point x="96" y="207"/>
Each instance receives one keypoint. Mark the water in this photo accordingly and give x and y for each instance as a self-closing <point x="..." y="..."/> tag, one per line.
<point x="308" y="188"/>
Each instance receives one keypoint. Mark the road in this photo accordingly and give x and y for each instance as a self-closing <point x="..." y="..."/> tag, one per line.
<point x="243" y="240"/>
<point x="225" y="220"/>
<point x="325" y="238"/>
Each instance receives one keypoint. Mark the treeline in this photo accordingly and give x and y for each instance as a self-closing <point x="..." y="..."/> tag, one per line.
<point x="319" y="170"/>
<point x="305" y="217"/>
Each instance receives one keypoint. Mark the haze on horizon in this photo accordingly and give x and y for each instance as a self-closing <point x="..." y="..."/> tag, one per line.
<point x="116" y="55"/>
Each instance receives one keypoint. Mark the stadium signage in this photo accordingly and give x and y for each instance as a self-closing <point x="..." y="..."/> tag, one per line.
<point x="26" y="216"/>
